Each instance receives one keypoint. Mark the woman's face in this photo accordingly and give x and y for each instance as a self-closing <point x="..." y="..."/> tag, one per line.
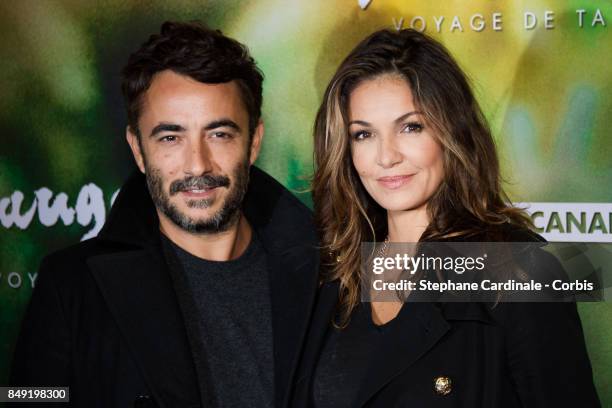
<point x="394" y="152"/>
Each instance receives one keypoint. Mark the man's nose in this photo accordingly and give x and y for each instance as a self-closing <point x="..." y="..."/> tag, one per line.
<point x="197" y="159"/>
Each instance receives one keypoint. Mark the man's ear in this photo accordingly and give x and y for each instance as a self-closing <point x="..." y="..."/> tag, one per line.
<point x="256" y="142"/>
<point x="132" y="140"/>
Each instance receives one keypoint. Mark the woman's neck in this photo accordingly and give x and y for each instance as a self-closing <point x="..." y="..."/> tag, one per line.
<point x="407" y="226"/>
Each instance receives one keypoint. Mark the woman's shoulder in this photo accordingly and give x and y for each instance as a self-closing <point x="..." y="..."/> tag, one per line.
<point x="507" y="232"/>
<point x="515" y="233"/>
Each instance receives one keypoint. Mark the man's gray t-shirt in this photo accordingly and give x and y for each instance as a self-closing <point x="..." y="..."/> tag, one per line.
<point x="230" y="314"/>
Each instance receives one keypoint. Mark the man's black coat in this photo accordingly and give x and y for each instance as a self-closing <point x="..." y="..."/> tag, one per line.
<point x="104" y="317"/>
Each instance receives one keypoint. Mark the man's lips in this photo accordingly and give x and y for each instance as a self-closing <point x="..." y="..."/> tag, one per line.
<point x="199" y="193"/>
<point x="395" y="182"/>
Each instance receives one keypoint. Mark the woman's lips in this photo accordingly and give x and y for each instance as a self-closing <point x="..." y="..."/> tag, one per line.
<point x="395" y="182"/>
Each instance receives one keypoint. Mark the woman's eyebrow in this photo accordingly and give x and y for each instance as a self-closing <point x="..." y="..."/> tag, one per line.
<point x="406" y="116"/>
<point x="399" y="119"/>
<point x="359" y="122"/>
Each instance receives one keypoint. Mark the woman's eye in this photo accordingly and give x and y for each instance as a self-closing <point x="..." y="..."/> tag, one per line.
<point x="413" y="127"/>
<point x="361" y="135"/>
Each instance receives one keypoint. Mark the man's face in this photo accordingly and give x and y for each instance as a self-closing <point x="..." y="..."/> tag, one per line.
<point x="195" y="151"/>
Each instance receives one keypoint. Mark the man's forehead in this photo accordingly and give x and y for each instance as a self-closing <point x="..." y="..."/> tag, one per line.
<point x="168" y="84"/>
<point x="176" y="95"/>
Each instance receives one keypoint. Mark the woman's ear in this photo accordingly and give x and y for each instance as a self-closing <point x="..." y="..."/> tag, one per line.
<point x="256" y="142"/>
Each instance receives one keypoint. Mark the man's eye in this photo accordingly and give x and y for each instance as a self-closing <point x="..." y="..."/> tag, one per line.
<point x="361" y="135"/>
<point x="167" y="139"/>
<point x="221" y="135"/>
<point x="412" y="127"/>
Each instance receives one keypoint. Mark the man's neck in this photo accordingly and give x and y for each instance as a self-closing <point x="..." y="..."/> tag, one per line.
<point x="221" y="246"/>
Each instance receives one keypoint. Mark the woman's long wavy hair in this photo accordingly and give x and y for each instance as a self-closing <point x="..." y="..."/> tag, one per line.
<point x="470" y="199"/>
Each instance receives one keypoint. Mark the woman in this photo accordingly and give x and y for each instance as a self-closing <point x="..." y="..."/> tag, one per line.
<point x="403" y="154"/>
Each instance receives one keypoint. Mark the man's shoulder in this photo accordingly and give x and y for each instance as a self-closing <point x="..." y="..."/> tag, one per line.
<point x="271" y="204"/>
<point x="78" y="251"/>
<point x="270" y="188"/>
<point x="67" y="264"/>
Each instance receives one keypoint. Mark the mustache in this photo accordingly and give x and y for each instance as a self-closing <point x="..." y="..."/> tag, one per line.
<point x="207" y="181"/>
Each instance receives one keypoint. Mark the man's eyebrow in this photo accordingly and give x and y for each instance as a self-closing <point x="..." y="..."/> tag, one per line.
<point x="399" y="119"/>
<point x="222" y="123"/>
<point x="166" y="127"/>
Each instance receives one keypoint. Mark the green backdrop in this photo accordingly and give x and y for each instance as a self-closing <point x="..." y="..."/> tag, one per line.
<point x="544" y="80"/>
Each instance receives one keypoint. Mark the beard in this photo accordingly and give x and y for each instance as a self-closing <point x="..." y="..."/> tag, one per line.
<point x="222" y="220"/>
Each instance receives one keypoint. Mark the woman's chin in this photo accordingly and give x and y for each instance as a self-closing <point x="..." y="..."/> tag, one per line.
<point x="399" y="204"/>
<point x="398" y="207"/>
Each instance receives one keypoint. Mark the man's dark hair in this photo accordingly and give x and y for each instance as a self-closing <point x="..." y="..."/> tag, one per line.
<point x="198" y="52"/>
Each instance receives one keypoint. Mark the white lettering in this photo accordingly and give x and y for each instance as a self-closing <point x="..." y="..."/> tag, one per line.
<point x="398" y="24"/>
<point x="90" y="209"/>
<point x="497" y="21"/>
<point x="90" y="204"/>
<point x="481" y="22"/>
<point x="378" y="269"/>
<point x="456" y="24"/>
<point x="598" y="19"/>
<point x="549" y="17"/>
<point x="530" y="20"/>
<point x="15" y="217"/>
<point x="413" y="23"/>
<point x="377" y="284"/>
<point x="48" y="215"/>
<point x="580" y="13"/>
<point x="33" y="278"/>
<point x="11" y="281"/>
<point x="114" y="197"/>
<point x="438" y="21"/>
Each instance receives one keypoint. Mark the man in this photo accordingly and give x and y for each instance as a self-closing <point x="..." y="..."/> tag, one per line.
<point x="198" y="290"/>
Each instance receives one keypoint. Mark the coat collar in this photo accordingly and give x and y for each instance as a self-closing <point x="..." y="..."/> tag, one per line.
<point x="137" y="286"/>
<point x="424" y="325"/>
<point x="132" y="220"/>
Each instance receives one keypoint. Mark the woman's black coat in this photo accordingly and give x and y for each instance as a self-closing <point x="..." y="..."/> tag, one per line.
<point x="513" y="355"/>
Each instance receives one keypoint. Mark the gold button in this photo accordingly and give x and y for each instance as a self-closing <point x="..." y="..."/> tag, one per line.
<point x="442" y="385"/>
